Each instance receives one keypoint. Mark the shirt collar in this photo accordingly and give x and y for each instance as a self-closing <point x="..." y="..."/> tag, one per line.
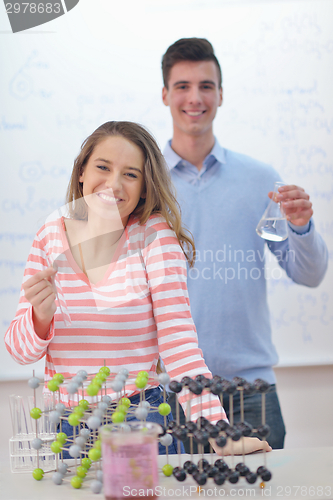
<point x="173" y="159"/>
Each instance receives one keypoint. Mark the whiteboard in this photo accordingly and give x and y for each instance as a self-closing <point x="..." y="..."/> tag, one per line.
<point x="101" y="61"/>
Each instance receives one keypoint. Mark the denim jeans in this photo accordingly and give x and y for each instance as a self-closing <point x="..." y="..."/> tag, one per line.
<point x="252" y="415"/>
<point x="154" y="398"/>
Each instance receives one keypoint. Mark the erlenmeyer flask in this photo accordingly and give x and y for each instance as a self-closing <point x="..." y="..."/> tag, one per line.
<point x="273" y="223"/>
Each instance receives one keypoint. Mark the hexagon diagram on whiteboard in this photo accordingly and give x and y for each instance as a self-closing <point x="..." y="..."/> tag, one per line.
<point x="24" y="15"/>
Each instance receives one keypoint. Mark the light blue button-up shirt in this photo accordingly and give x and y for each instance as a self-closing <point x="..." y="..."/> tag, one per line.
<point x="189" y="172"/>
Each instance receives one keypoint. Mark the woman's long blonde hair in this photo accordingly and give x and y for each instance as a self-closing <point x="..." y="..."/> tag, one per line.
<point x="160" y="197"/>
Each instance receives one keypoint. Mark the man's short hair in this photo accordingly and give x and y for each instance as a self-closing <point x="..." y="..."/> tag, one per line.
<point x="188" y="49"/>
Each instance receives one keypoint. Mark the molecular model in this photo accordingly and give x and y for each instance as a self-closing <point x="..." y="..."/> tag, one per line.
<point x="84" y="419"/>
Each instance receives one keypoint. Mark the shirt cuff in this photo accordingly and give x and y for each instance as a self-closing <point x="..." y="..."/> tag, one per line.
<point x="300" y="229"/>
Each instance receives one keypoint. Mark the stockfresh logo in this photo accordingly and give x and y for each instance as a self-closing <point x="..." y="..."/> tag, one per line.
<point x="24" y="15"/>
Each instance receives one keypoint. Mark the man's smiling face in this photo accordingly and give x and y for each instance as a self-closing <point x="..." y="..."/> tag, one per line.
<point x="193" y="95"/>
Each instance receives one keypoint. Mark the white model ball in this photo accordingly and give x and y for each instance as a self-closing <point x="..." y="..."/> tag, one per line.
<point x="144" y="404"/>
<point x="62" y="468"/>
<point x="80" y="441"/>
<point x="96" y="486"/>
<point x="60" y="407"/>
<point x="57" y="478"/>
<point x="54" y="417"/>
<point x="141" y="413"/>
<point x="85" y="433"/>
<point x="33" y="383"/>
<point x="163" y="378"/>
<point x="94" y="422"/>
<point x="36" y="443"/>
<point x="117" y="385"/>
<point x="166" y="440"/>
<point x="74" y="450"/>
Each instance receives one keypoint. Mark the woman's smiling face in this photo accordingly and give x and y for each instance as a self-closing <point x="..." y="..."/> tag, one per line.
<point x="113" y="178"/>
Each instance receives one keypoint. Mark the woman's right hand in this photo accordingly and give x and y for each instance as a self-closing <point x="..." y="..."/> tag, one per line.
<point x="40" y="291"/>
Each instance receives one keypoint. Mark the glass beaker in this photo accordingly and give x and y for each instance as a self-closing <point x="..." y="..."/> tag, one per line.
<point x="130" y="454"/>
<point x="273" y="224"/>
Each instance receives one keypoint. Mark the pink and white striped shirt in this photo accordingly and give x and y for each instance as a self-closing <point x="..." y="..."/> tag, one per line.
<point x="139" y="311"/>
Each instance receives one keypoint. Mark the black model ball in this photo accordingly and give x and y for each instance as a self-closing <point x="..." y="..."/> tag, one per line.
<point x="206" y="382"/>
<point x="263" y="431"/>
<point x="221" y="441"/>
<point x="251" y="477"/>
<point x="180" y="474"/>
<point x="172" y="425"/>
<point x="195" y="387"/>
<point x="222" y="425"/>
<point x="187" y="464"/>
<point x="229" y="387"/>
<point x="202" y="463"/>
<point x="266" y="476"/>
<point x="242" y="469"/>
<point x="248" y="389"/>
<point x="192" y="468"/>
<point x="219" y="478"/>
<point x="233" y="477"/>
<point x="216" y="388"/>
<point x="221" y="465"/>
<point x="244" y="427"/>
<point x="202" y="422"/>
<point x="264" y="473"/>
<point x="175" y="386"/>
<point x="212" y="471"/>
<point x="180" y="433"/>
<point x="200" y="478"/>
<point x="239" y="381"/>
<point x="261" y="385"/>
<point x="185" y="381"/>
<point x="212" y="430"/>
<point x="201" y="436"/>
<point x="233" y="433"/>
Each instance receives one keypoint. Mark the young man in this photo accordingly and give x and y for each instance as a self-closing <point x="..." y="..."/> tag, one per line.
<point x="223" y="196"/>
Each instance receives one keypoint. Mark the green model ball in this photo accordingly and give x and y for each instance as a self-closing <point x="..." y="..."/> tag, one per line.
<point x="105" y="370"/>
<point x="167" y="470"/>
<point x="94" y="454"/>
<point x="164" y="409"/>
<point x="53" y="385"/>
<point x="93" y="389"/>
<point x="38" y="474"/>
<point x="76" y="482"/>
<point x="73" y="419"/>
<point x="86" y="462"/>
<point x="36" y="413"/>
<point x="84" y="404"/>
<point x="81" y="471"/>
<point x="58" y="377"/>
<point x="117" y="417"/>
<point x="56" y="447"/>
<point x="61" y="438"/>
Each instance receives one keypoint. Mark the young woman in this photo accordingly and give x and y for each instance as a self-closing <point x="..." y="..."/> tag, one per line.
<point x="121" y="296"/>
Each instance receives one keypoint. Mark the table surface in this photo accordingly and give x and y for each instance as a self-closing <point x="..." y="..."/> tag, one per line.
<point x="305" y="473"/>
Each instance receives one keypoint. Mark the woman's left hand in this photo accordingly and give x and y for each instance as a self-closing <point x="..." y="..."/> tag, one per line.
<point x="244" y="445"/>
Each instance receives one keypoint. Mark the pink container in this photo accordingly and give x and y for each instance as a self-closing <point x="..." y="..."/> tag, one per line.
<point x="129" y="453"/>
